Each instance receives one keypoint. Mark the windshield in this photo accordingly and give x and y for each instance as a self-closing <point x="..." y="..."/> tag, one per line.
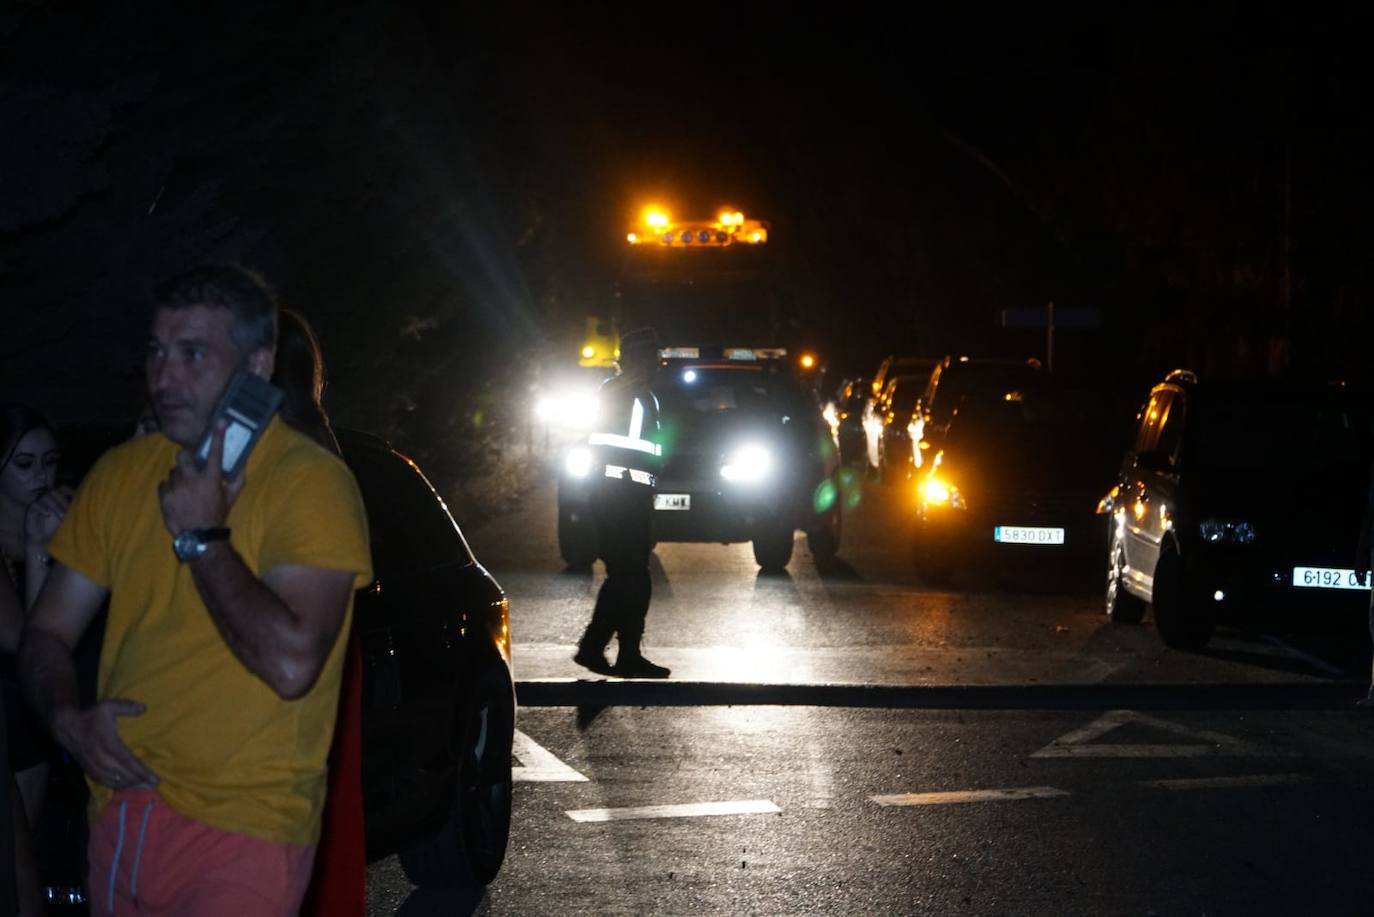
<point x="721" y="391"/>
<point x="1267" y="430"/>
<point x="975" y="380"/>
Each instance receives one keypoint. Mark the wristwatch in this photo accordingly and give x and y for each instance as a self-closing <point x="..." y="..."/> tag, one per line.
<point x="192" y="543"/>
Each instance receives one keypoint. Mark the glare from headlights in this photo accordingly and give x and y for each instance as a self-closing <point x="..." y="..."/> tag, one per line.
<point x="578" y="463"/>
<point x="752" y="463"/>
<point x="580" y="410"/>
<point x="546" y="409"/>
<point x="935" y="492"/>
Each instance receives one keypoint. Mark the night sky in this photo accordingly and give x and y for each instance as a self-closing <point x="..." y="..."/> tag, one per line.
<point x="444" y="188"/>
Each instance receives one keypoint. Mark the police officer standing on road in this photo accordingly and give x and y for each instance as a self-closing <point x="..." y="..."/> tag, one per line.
<point x="626" y="458"/>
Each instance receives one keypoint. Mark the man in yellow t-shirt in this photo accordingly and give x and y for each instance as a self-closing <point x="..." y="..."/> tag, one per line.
<point x="220" y="671"/>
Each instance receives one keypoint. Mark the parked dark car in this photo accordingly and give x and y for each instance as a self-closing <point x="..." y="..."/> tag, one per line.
<point x="875" y="406"/>
<point x="1015" y="483"/>
<point x="747" y="456"/>
<point x="438" y="695"/>
<point x="1239" y="503"/>
<point x="845" y="414"/>
<point x="951" y="381"/>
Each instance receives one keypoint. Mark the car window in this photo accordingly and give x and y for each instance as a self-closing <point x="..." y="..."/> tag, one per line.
<point x="408" y="523"/>
<point x="705" y="390"/>
<point x="1279" y="430"/>
<point x="1151" y="417"/>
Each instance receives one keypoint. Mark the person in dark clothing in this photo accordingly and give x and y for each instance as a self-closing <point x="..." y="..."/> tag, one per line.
<point x="32" y="505"/>
<point x="626" y="458"/>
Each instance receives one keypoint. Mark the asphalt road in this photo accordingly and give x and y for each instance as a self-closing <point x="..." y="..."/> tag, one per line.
<point x="855" y="742"/>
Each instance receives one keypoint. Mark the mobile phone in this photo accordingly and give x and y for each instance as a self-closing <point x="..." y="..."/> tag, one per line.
<point x="246" y="406"/>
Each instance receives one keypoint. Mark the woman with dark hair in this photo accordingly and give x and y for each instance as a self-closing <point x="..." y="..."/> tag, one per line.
<point x="338" y="887"/>
<point x="31" y="506"/>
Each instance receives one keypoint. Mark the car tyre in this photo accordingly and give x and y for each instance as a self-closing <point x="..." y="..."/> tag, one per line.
<point x="1122" y="606"/>
<point x="773" y="549"/>
<point x="1182" y="621"/>
<point x="824" y="542"/>
<point x="469" y="849"/>
<point x="576" y="537"/>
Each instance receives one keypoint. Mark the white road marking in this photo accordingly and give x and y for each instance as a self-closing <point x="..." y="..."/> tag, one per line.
<point x="540" y="765"/>
<point x="686" y="810"/>
<point x="1079" y="743"/>
<point x="1207" y="783"/>
<point x="957" y="796"/>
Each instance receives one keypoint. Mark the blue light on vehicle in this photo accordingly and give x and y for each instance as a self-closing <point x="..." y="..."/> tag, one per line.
<point x="750" y="464"/>
<point x="686" y="235"/>
<point x="722" y="237"/>
<point x="1226" y="531"/>
<point x="689" y="376"/>
<point x="704" y="236"/>
<point x="668" y="238"/>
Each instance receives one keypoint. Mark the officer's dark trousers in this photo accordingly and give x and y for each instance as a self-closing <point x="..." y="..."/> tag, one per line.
<point x="624" y="519"/>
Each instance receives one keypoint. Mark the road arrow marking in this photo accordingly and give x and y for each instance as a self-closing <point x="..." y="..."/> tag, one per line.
<point x="540" y="765"/>
<point x="1079" y="743"/>
<point x="941" y="799"/>
<point x="686" y="810"/>
<point x="1210" y="783"/>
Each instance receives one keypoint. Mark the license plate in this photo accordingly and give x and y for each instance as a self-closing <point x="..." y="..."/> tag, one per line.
<point x="1027" y="534"/>
<point x="672" y="501"/>
<point x="1327" y="578"/>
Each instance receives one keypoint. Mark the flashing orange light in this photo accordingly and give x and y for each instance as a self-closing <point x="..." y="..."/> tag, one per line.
<point x="656" y="218"/>
<point x="808" y="361"/>
<point x="632" y="238"/>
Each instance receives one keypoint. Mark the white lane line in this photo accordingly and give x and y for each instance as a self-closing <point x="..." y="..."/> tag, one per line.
<point x="1208" y="783"/>
<point x="539" y="764"/>
<point x="1080" y="743"/>
<point x="957" y="796"/>
<point x="686" y="810"/>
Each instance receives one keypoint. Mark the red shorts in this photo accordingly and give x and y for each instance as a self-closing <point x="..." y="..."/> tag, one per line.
<point x="147" y="859"/>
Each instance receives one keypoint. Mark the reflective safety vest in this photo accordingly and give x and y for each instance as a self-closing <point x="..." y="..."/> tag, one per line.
<point x="625" y="442"/>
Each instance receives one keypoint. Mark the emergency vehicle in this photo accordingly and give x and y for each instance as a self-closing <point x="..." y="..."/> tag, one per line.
<point x="747" y="456"/>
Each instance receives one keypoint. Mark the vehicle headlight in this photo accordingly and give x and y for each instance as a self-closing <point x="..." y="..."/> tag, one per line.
<point x="580" y="411"/>
<point x="546" y="409"/>
<point x="939" y="492"/>
<point x="1226" y="531"/>
<point x="578" y="462"/>
<point x="752" y="463"/>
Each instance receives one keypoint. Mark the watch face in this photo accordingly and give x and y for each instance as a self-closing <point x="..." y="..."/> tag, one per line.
<point x="188" y="546"/>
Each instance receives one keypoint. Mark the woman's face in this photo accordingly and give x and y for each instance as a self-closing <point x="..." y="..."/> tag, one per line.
<point x="32" y="467"/>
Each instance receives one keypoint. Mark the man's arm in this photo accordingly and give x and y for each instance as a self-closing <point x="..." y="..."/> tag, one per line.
<point x="47" y="673"/>
<point x="281" y="627"/>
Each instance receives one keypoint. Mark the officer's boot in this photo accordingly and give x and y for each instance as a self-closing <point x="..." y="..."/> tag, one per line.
<point x="591" y="649"/>
<point x="630" y="662"/>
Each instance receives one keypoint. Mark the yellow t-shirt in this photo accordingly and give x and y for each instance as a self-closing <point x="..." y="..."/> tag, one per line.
<point x="228" y="751"/>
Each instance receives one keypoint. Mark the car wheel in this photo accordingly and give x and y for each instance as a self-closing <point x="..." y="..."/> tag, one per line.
<point x="1122" y="606"/>
<point x="469" y="849"/>
<point x="773" y="550"/>
<point x="824" y="542"/>
<point x="576" y="537"/>
<point x="1182" y="621"/>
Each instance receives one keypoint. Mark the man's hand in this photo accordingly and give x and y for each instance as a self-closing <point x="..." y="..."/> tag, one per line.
<point x="45" y="515"/>
<point x="93" y="740"/>
<point x="198" y="498"/>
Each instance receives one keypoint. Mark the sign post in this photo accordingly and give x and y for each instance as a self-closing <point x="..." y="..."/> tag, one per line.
<point x="1050" y="318"/>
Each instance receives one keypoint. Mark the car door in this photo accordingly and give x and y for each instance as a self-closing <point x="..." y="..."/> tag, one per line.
<point x="1151" y="496"/>
<point x="410" y="625"/>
